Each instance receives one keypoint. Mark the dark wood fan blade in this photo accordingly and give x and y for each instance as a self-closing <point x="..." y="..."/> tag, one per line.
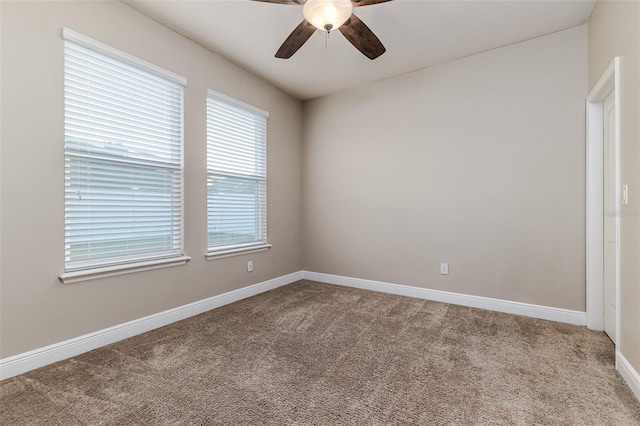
<point x="296" y="39"/>
<point x="362" y="38"/>
<point x="294" y="2"/>
<point x="357" y="3"/>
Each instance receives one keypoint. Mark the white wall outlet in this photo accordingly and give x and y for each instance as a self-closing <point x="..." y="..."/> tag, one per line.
<point x="444" y="269"/>
<point x="250" y="266"/>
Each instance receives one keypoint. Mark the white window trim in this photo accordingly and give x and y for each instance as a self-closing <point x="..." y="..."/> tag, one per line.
<point x="114" y="270"/>
<point x="213" y="94"/>
<point x="85" y="41"/>
<point x="236" y="251"/>
<point x="111" y="271"/>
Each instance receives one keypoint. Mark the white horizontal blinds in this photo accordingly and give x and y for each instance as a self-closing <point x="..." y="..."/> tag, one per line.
<point x="236" y="174"/>
<point x="123" y="161"/>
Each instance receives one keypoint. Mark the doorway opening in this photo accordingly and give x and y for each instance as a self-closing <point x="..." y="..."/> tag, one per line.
<point x="603" y="204"/>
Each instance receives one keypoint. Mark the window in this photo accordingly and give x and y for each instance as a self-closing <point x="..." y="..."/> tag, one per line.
<point x="123" y="160"/>
<point x="236" y="176"/>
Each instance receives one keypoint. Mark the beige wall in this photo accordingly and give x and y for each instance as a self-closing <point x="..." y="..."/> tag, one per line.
<point x="614" y="30"/>
<point x="478" y="162"/>
<point x="36" y="309"/>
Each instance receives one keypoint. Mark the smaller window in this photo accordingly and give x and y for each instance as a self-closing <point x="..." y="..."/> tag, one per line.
<point x="236" y="176"/>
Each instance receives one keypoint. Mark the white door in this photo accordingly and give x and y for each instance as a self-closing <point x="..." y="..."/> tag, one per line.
<point x="611" y="214"/>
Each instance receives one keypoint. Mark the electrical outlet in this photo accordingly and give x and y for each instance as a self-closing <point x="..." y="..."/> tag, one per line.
<point x="444" y="269"/>
<point x="250" y="266"/>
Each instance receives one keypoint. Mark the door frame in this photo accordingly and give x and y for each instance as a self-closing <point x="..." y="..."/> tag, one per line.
<point x="608" y="83"/>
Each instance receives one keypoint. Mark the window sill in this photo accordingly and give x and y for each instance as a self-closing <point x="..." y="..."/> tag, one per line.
<point x="110" y="271"/>
<point x="220" y="254"/>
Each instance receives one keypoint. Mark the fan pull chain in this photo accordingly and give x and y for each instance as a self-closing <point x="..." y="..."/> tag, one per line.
<point x="328" y="28"/>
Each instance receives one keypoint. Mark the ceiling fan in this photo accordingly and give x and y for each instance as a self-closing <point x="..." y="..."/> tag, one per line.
<point x="327" y="15"/>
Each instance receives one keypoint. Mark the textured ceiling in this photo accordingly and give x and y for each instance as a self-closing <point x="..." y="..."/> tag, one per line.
<point x="416" y="33"/>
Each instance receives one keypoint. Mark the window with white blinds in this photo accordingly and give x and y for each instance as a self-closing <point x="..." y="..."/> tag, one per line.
<point x="236" y="175"/>
<point x="123" y="158"/>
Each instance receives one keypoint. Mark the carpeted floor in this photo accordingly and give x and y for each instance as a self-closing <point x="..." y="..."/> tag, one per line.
<point x="312" y="353"/>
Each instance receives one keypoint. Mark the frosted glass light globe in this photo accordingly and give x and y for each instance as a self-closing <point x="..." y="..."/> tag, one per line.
<point x="327" y="15"/>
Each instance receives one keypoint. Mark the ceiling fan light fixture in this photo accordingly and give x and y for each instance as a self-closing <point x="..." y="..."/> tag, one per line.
<point x="327" y="15"/>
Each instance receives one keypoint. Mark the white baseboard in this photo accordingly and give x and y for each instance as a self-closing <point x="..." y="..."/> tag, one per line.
<point x="506" y="306"/>
<point x="27" y="361"/>
<point x="628" y="373"/>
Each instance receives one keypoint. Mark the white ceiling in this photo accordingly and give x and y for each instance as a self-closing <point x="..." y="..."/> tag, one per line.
<point x="416" y="33"/>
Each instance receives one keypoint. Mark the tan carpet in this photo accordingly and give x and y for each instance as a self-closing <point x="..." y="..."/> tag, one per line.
<point x="312" y="353"/>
